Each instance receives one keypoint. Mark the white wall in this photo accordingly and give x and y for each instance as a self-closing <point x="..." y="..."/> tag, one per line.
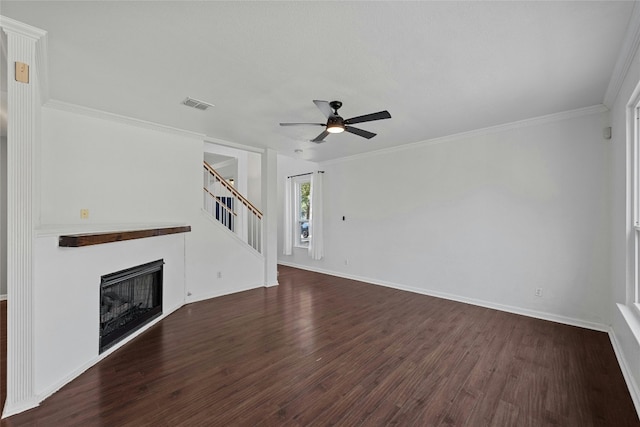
<point x="227" y="169"/>
<point x="124" y="174"/>
<point x="131" y="174"/>
<point x="121" y="173"/>
<point x="212" y="249"/>
<point x="240" y="167"/>
<point x="254" y="179"/>
<point x="485" y="218"/>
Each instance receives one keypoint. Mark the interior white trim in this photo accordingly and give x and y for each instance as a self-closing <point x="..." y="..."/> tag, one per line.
<point x="632" y="386"/>
<point x="24" y="405"/>
<point x="22" y="102"/>
<point x="625" y="57"/>
<point x="630" y="193"/>
<point x="66" y="380"/>
<point x="219" y="141"/>
<point x="481" y="303"/>
<point x="216" y="294"/>
<point x="231" y="162"/>
<point x="41" y="51"/>
<point x="42" y="68"/>
<point x="104" y="115"/>
<point x="534" y="121"/>
<point x="22" y="29"/>
<point x="3" y="297"/>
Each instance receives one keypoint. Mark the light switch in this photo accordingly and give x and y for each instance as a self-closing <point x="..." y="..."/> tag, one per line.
<point x="22" y="72"/>
<point x="84" y="213"/>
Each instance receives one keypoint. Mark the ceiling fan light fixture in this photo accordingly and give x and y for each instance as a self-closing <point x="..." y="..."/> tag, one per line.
<point x="335" y="124"/>
<point x="335" y="128"/>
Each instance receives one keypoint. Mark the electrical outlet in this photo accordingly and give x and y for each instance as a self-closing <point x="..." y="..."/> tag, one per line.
<point x="538" y="292"/>
<point x="84" y="213"/>
<point x="219" y="274"/>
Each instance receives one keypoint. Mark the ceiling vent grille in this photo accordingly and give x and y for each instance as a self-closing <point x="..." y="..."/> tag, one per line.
<point x="197" y="104"/>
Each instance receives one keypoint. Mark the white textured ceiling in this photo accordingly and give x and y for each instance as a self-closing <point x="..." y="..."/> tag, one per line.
<point x="439" y="67"/>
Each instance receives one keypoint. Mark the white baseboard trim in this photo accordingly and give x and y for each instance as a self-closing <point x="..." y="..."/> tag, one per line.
<point x="10" y="409"/>
<point x="634" y="391"/>
<point x="481" y="303"/>
<point x="3" y="297"/>
<point x="215" y="294"/>
<point x="13" y="409"/>
<point x="74" y="374"/>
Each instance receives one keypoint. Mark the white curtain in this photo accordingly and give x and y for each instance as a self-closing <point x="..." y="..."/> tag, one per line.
<point x="316" y="228"/>
<point x="288" y="217"/>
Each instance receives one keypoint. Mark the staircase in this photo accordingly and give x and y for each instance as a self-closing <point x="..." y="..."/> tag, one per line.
<point x="225" y="204"/>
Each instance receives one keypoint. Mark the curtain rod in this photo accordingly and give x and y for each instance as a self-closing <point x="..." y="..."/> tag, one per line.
<point x="303" y="174"/>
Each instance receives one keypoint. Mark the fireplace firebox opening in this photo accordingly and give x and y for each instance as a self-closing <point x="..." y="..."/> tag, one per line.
<point x="129" y="299"/>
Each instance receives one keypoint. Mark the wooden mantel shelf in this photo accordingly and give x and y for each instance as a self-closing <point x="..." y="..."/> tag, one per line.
<point x="79" y="240"/>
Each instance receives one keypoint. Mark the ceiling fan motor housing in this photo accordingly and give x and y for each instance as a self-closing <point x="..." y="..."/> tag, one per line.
<point x="334" y="121"/>
<point x="335" y="105"/>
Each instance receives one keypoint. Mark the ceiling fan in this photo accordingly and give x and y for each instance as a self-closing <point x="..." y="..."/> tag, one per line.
<point x="336" y="124"/>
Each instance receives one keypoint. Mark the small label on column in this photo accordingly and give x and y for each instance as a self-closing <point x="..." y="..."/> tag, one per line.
<point x="22" y="72"/>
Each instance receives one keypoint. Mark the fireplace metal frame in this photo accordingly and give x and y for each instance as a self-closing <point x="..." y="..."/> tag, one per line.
<point x="155" y="267"/>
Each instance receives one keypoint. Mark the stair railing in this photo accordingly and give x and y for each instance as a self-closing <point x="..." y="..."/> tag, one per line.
<point x="224" y="203"/>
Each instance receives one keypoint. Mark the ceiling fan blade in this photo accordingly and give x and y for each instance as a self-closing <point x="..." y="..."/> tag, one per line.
<point x="298" y="124"/>
<point x="360" y="132"/>
<point x="321" y="137"/>
<point x="368" y="117"/>
<point x="324" y="107"/>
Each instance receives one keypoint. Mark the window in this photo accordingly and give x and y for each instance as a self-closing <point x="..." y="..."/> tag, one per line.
<point x="302" y="207"/>
<point x="634" y="251"/>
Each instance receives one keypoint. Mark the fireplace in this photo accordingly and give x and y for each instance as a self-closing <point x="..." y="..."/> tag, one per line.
<point x="129" y="299"/>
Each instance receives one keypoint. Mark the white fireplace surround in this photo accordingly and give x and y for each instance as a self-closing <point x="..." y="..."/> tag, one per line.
<point x="67" y="340"/>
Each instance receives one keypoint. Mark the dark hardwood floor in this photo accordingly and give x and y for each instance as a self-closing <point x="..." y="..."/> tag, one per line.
<point x="320" y="350"/>
<point x="3" y="353"/>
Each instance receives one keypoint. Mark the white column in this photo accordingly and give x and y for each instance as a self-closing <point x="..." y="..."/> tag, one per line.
<point x="22" y="132"/>
<point x="270" y="218"/>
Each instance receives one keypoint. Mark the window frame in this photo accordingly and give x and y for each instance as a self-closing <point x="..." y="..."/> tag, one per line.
<point x="299" y="241"/>
<point x="633" y="164"/>
<point x="635" y="189"/>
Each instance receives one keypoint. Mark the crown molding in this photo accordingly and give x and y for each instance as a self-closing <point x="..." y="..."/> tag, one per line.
<point x="19" y="28"/>
<point x="236" y="145"/>
<point x="40" y="37"/>
<point x="42" y="68"/>
<point x="627" y="52"/>
<point x="230" y="162"/>
<point x="117" y="118"/>
<point x="534" y="121"/>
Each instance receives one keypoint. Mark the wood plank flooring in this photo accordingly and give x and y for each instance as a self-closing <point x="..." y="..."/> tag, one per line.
<point x="3" y="353"/>
<point x="320" y="350"/>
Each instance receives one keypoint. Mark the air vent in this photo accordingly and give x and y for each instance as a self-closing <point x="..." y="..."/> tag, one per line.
<point x="195" y="103"/>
